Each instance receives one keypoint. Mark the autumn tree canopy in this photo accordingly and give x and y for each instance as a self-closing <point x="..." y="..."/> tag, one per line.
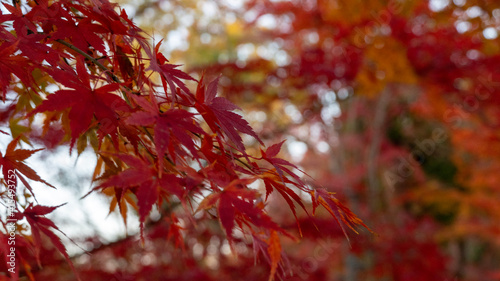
<point x="387" y="106"/>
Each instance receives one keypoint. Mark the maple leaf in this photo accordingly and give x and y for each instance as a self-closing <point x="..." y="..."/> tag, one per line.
<point x="272" y="182"/>
<point x="14" y="160"/>
<point x="148" y="185"/>
<point x="170" y="75"/>
<point x="124" y="198"/>
<point x="35" y="215"/>
<point x="82" y="34"/>
<point x="222" y="170"/>
<point x="11" y="63"/>
<point x="341" y="213"/>
<point x="139" y="174"/>
<point x="174" y="231"/>
<point x="278" y="163"/>
<point x="237" y="204"/>
<point x="219" y="115"/>
<point x="172" y="129"/>
<point x="84" y="103"/>
<point x="27" y="41"/>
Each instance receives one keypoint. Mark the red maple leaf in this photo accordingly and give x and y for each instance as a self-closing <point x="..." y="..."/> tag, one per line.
<point x="81" y="34"/>
<point x="35" y="215"/>
<point x="14" y="160"/>
<point x="280" y="164"/>
<point x="170" y="75"/>
<point x="13" y="64"/>
<point x="339" y="212"/>
<point x="219" y="115"/>
<point x="85" y="103"/>
<point x="147" y="183"/>
<point x="172" y="129"/>
<point x="236" y="204"/>
<point x="30" y="41"/>
<point x="272" y="182"/>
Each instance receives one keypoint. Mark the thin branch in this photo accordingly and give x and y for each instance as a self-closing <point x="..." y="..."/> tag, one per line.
<point x="374" y="149"/>
<point x="100" y="65"/>
<point x="89" y="57"/>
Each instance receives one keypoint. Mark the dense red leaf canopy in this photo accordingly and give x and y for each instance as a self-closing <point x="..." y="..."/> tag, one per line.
<point x="162" y="138"/>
